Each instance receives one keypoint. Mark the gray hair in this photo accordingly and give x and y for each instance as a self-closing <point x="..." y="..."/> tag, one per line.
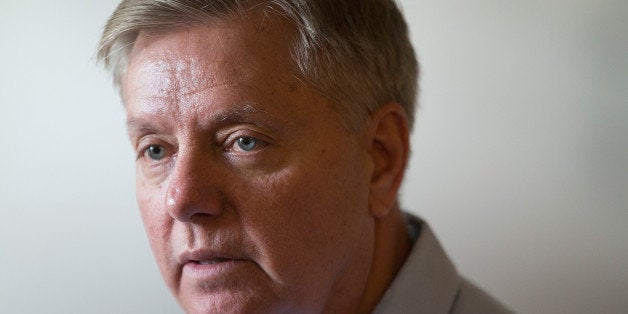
<point x="355" y="52"/>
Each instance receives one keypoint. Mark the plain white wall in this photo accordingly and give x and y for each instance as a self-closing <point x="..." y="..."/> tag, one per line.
<point x="520" y="156"/>
<point x="521" y="148"/>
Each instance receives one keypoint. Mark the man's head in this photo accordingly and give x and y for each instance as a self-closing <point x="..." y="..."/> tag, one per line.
<point x="261" y="185"/>
<point x="354" y="52"/>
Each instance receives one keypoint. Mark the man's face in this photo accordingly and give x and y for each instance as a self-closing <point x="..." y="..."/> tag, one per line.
<point x="252" y="193"/>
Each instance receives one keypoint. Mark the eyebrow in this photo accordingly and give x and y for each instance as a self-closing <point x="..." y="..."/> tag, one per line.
<point x="134" y="125"/>
<point x="248" y="113"/>
<point x="238" y="113"/>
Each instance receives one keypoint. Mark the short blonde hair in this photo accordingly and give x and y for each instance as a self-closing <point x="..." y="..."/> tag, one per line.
<point x="356" y="52"/>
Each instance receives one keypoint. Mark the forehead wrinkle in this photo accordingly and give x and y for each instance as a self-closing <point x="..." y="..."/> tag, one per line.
<point x="238" y="111"/>
<point x="189" y="77"/>
<point x="168" y="74"/>
<point x="174" y="107"/>
<point x="192" y="91"/>
<point x="245" y="108"/>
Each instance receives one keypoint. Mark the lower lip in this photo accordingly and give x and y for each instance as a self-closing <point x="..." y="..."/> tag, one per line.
<point x="211" y="271"/>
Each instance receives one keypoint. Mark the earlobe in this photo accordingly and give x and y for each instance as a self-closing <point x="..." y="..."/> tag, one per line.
<point x="389" y="147"/>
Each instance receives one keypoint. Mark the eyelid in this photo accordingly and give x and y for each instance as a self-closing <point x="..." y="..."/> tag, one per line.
<point x="230" y="141"/>
<point x="144" y="143"/>
<point x="243" y="130"/>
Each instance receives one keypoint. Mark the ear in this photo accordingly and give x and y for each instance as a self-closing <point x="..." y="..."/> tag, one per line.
<point x="388" y="140"/>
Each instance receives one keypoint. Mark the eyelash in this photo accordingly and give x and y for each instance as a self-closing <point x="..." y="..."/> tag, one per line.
<point x="232" y="146"/>
<point x="143" y="153"/>
<point x="235" y="144"/>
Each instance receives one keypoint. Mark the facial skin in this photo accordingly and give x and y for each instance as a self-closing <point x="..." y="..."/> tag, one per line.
<point x="253" y="195"/>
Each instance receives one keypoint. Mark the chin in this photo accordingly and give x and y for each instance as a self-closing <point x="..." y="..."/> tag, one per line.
<point x="247" y="301"/>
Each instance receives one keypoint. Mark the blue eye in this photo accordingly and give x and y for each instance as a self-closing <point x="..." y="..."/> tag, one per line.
<point x="247" y="143"/>
<point x="156" y="152"/>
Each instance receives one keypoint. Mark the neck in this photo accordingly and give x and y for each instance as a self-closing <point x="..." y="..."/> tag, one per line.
<point x="392" y="245"/>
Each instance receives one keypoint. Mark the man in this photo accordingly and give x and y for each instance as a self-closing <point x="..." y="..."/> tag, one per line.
<point x="271" y="140"/>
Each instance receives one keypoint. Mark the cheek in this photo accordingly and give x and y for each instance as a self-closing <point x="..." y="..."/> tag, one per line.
<point x="158" y="225"/>
<point x="150" y="201"/>
<point x="307" y="217"/>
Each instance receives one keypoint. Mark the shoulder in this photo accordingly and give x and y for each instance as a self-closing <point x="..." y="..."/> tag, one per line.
<point x="472" y="299"/>
<point x="429" y="282"/>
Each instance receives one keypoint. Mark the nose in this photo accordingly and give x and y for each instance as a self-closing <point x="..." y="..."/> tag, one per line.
<point x="194" y="188"/>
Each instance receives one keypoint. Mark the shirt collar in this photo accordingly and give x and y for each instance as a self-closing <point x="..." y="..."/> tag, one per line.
<point x="427" y="280"/>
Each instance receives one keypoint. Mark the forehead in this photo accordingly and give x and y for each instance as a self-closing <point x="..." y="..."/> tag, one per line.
<point x="234" y="58"/>
<point x="241" y="47"/>
<point x="255" y="42"/>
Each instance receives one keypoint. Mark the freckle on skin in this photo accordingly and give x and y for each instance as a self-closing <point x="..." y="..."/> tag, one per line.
<point x="293" y="87"/>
